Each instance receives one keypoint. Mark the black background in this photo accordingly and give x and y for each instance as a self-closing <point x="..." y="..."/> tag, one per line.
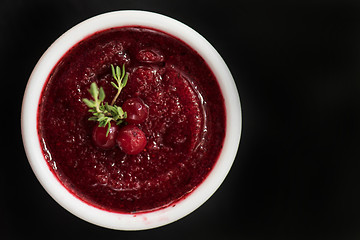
<point x="296" y="66"/>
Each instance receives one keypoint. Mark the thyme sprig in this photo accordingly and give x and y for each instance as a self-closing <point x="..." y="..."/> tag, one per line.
<point x="121" y="78"/>
<point x="102" y="111"/>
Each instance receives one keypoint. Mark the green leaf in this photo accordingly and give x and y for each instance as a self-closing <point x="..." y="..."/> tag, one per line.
<point x="114" y="111"/>
<point x="93" y="118"/>
<point x="108" y="130"/>
<point x="114" y="85"/>
<point x="101" y="94"/>
<point x="123" y="71"/>
<point x="113" y="71"/>
<point x="94" y="91"/>
<point x="89" y="103"/>
<point x="106" y="107"/>
<point x="101" y="118"/>
<point x="120" y="111"/>
<point x="118" y="73"/>
<point x="124" y="81"/>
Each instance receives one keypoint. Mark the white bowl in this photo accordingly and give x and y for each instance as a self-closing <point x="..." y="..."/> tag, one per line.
<point x="117" y="220"/>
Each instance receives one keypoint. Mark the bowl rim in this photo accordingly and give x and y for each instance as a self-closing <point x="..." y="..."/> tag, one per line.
<point x="114" y="220"/>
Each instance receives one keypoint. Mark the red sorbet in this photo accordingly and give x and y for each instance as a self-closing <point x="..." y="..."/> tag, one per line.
<point x="184" y="129"/>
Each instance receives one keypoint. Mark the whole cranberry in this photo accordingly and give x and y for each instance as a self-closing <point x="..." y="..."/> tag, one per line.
<point x="131" y="139"/>
<point x="101" y="140"/>
<point x="137" y="111"/>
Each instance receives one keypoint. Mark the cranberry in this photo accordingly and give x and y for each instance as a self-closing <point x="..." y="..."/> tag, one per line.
<point x="101" y="140"/>
<point x="131" y="139"/>
<point x="136" y="110"/>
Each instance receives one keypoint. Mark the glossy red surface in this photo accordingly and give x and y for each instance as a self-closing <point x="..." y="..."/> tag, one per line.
<point x="131" y="139"/>
<point x="104" y="139"/>
<point x="137" y="111"/>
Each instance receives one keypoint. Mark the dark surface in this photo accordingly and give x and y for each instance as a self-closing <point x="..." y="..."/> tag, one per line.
<point x="296" y="65"/>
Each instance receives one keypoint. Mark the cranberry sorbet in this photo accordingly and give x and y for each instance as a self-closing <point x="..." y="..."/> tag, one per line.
<point x="185" y="127"/>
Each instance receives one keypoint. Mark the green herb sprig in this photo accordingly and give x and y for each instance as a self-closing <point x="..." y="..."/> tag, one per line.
<point x="121" y="78"/>
<point x="103" y="112"/>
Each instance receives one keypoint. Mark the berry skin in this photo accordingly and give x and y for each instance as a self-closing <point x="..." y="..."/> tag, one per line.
<point x="137" y="111"/>
<point x="101" y="140"/>
<point x="131" y="139"/>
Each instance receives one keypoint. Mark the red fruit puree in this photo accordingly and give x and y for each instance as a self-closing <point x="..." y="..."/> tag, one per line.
<point x="185" y="127"/>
